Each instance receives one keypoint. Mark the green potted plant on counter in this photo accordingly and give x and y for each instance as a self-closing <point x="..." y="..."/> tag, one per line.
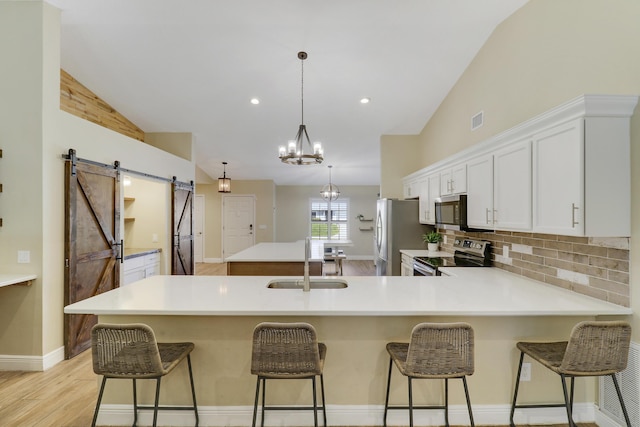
<point x="432" y="239"/>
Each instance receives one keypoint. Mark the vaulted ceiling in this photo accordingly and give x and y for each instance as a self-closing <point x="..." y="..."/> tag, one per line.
<point x="194" y="65"/>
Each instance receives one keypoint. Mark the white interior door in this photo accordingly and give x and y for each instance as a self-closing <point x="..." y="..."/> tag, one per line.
<point x="238" y="219"/>
<point x="198" y="225"/>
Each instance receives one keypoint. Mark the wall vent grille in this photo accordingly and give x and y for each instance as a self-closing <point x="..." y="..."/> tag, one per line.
<point x="629" y="381"/>
<point x="477" y="120"/>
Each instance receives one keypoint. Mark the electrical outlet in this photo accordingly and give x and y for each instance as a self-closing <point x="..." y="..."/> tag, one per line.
<point x="154" y="238"/>
<point x="24" y="257"/>
<point x="525" y="373"/>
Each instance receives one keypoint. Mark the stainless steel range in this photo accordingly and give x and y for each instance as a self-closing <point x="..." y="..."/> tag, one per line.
<point x="468" y="253"/>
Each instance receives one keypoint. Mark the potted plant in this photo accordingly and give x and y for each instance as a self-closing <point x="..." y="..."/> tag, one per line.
<point x="432" y="239"/>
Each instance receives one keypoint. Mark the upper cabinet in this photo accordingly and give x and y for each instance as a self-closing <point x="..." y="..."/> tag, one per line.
<point x="411" y="188"/>
<point x="453" y="180"/>
<point x="480" y="194"/>
<point x="512" y="187"/>
<point x="581" y="178"/>
<point x="566" y="171"/>
<point x="429" y="192"/>
<point x="499" y="189"/>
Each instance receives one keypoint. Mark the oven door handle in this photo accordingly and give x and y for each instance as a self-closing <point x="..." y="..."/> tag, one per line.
<point x="423" y="269"/>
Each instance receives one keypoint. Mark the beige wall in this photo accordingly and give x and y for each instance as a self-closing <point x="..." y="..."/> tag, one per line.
<point x="178" y="143"/>
<point x="265" y="211"/>
<point x="292" y="215"/>
<point x="547" y="53"/>
<point x="34" y="133"/>
<point x="284" y="210"/>
<point x="151" y="214"/>
<point x="399" y="158"/>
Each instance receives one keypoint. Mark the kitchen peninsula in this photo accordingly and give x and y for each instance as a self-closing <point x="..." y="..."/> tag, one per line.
<point x="218" y="314"/>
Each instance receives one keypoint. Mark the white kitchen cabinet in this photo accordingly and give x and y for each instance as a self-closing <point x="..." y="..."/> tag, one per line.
<point x="140" y="267"/>
<point x="566" y="171"/>
<point x="411" y="189"/>
<point x="512" y="187"/>
<point x="429" y="192"/>
<point x="453" y="180"/>
<point x="480" y="192"/>
<point x="581" y="178"/>
<point x="499" y="189"/>
<point x="406" y="265"/>
<point x="558" y="185"/>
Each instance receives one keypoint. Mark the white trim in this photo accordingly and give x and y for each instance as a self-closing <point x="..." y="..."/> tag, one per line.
<point x="212" y="260"/>
<point x="31" y="363"/>
<point x="604" y="420"/>
<point x="583" y="106"/>
<point x="350" y="415"/>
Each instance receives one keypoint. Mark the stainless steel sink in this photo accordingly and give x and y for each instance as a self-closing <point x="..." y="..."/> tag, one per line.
<point x="313" y="283"/>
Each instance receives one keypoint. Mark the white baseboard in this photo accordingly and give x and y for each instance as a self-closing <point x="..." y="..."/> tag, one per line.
<point x="603" y="420"/>
<point x="31" y="363"/>
<point x="349" y="415"/>
<point x="212" y="260"/>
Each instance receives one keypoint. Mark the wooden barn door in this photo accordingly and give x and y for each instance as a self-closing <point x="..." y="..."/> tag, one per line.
<point x="182" y="262"/>
<point x="92" y="243"/>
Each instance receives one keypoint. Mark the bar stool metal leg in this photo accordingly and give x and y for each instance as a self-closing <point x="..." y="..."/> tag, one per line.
<point x="315" y="403"/>
<point x="563" y="379"/>
<point x="255" y="403"/>
<point x="264" y="394"/>
<point x="324" y="406"/>
<point x="515" y="391"/>
<point x="193" y="391"/>
<point x="410" y="403"/>
<point x="446" y="402"/>
<point x="386" y="401"/>
<point x="95" y="413"/>
<point x="466" y="394"/>
<point x="624" y="409"/>
<point x="155" y="404"/>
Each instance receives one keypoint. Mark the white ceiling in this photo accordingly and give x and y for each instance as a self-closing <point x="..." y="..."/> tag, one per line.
<point x="193" y="66"/>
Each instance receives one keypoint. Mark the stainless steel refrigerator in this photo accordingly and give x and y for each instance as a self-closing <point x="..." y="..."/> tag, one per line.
<point x="397" y="227"/>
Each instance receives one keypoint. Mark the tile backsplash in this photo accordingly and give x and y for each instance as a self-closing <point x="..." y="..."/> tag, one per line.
<point x="594" y="266"/>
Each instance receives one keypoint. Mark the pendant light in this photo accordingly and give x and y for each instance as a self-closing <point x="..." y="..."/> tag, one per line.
<point x="330" y="192"/>
<point x="224" y="183"/>
<point x="293" y="153"/>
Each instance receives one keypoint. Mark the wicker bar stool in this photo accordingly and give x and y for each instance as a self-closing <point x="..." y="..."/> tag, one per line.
<point x="594" y="349"/>
<point x="436" y="351"/>
<point x="131" y="352"/>
<point x="287" y="351"/>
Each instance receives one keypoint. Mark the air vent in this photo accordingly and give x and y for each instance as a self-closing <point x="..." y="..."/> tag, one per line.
<point x="629" y="381"/>
<point x="477" y="120"/>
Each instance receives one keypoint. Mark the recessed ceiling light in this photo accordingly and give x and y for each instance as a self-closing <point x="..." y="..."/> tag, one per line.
<point x="255" y="101"/>
<point x="365" y="100"/>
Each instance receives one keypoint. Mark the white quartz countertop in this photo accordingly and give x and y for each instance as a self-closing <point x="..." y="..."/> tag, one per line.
<point x="14" y="279"/>
<point x="285" y="251"/>
<point x="423" y="252"/>
<point x="470" y="292"/>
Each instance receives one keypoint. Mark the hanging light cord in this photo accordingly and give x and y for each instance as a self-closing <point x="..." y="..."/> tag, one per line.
<point x="302" y="90"/>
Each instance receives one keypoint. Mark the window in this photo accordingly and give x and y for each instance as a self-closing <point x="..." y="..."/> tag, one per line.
<point x="325" y="226"/>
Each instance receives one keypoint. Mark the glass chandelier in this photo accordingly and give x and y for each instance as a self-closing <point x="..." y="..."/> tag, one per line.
<point x="293" y="153"/>
<point x="330" y="192"/>
<point x="224" y="183"/>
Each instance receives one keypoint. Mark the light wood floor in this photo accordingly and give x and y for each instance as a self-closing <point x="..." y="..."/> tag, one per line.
<point x="65" y="395"/>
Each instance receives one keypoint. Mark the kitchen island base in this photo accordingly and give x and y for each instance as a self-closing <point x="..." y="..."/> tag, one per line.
<point x="272" y="268"/>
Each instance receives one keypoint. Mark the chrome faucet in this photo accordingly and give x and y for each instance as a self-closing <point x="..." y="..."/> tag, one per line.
<point x="306" y="287"/>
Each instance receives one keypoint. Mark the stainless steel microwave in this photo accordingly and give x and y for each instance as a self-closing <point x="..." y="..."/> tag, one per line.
<point x="451" y="212"/>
